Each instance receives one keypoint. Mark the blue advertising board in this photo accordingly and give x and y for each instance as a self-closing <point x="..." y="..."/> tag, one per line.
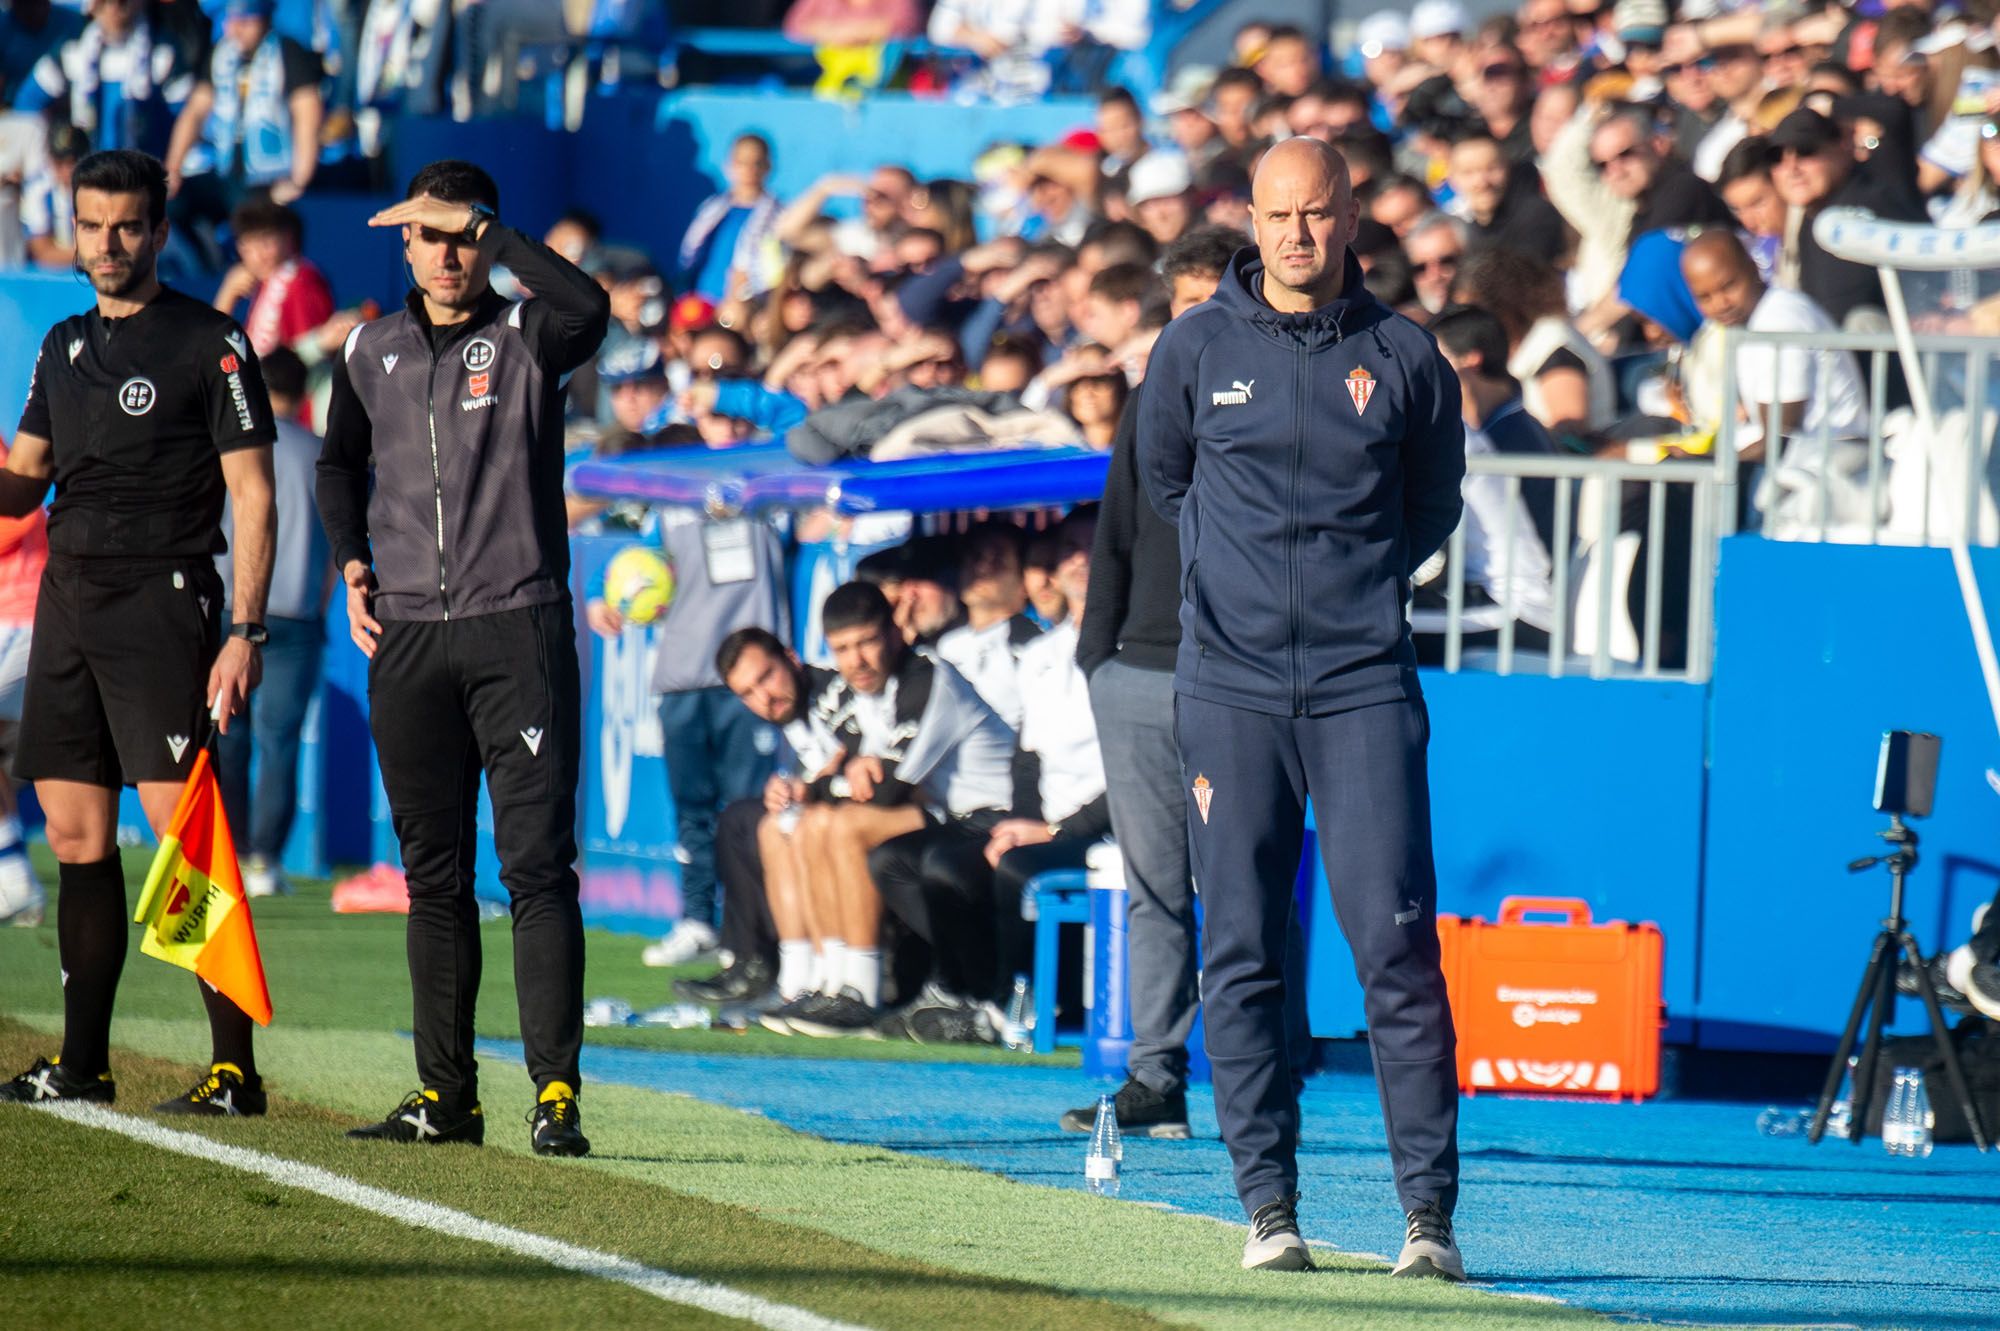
<point x="625" y="815"/>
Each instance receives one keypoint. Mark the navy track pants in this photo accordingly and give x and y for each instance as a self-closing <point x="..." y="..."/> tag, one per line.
<point x="1364" y="771"/>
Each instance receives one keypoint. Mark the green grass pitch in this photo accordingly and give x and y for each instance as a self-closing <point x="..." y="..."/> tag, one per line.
<point x="100" y="1231"/>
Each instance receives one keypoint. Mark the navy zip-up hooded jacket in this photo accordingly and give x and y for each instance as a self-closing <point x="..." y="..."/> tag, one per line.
<point x="1312" y="462"/>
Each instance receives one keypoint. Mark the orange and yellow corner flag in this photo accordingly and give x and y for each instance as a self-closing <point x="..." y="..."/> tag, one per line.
<point x="194" y="908"/>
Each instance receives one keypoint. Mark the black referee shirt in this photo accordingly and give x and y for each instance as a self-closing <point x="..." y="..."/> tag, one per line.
<point x="138" y="412"/>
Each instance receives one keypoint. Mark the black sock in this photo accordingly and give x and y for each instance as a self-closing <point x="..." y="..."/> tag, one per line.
<point x="92" y="934"/>
<point x="228" y="1032"/>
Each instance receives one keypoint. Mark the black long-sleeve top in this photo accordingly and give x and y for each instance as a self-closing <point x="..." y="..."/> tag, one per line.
<point x="1133" y="608"/>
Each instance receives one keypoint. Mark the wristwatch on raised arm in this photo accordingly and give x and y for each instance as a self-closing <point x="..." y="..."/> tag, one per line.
<point x="254" y="634"/>
<point x="480" y="218"/>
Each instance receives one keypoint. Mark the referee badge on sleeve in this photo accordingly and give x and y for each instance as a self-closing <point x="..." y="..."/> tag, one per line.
<point x="1203" y="793"/>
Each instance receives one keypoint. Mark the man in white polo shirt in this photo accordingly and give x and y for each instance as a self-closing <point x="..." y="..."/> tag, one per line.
<point x="1816" y="394"/>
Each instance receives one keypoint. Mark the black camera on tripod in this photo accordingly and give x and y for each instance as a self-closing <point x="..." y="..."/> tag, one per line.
<point x="1905" y="786"/>
<point x="1906" y="773"/>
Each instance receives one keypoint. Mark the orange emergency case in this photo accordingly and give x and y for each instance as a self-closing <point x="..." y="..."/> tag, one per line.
<point x="1569" y="1007"/>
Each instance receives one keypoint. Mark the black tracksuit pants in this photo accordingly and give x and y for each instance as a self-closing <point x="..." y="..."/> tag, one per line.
<point x="936" y="881"/>
<point x="747" y="929"/>
<point x="448" y="700"/>
<point x="1249" y="775"/>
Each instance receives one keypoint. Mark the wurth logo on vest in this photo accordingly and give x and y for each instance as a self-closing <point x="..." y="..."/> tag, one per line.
<point x="479" y="385"/>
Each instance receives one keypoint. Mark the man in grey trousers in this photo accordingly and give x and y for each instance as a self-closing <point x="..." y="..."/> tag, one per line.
<point x="1131" y="632"/>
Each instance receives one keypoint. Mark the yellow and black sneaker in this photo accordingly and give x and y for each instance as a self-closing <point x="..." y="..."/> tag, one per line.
<point x="552" y="1123"/>
<point x="224" y="1093"/>
<point x="50" y="1080"/>
<point x="423" y="1118"/>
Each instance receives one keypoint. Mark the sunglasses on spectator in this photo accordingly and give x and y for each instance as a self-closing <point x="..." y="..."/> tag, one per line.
<point x="1631" y="153"/>
<point x="1444" y="263"/>
<point x="1500" y="72"/>
<point x="1725" y="55"/>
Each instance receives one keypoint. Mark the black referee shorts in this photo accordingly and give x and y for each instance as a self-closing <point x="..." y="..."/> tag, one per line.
<point x="118" y="672"/>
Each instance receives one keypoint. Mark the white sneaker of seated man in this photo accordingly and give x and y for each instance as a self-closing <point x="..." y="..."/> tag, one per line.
<point x="22" y="901"/>
<point x="261" y="878"/>
<point x="691" y="940"/>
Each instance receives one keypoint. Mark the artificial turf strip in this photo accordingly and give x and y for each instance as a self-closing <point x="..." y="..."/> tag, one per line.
<point x="305" y="1235"/>
<point x="370" y="987"/>
<point x="107" y="1233"/>
<point x="1171" y="1267"/>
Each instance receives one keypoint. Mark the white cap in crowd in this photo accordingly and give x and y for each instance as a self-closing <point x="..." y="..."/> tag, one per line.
<point x="1640" y="20"/>
<point x="1383" y="31"/>
<point x="1160" y="174"/>
<point x="1186" y="91"/>
<point x="1438" y="18"/>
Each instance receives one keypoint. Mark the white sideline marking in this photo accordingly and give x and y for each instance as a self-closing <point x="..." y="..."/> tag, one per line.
<point x="444" y="1220"/>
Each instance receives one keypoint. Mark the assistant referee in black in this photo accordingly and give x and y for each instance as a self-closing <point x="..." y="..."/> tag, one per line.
<point x="143" y="411"/>
<point x="457" y="573"/>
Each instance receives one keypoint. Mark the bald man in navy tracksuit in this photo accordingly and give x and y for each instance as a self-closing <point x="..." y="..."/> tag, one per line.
<point x="1307" y="440"/>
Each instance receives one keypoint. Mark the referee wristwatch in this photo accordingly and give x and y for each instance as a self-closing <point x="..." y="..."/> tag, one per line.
<point x="254" y="634"/>
<point x="479" y="217"/>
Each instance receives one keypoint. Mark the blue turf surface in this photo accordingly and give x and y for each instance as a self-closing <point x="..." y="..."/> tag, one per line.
<point x="1674" y="1210"/>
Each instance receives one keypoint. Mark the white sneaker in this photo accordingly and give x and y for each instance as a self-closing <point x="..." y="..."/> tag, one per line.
<point x="1958" y="965"/>
<point x="22" y="901"/>
<point x="1430" y="1250"/>
<point x="261" y="878"/>
<point x="690" y="941"/>
<point x="1274" y="1243"/>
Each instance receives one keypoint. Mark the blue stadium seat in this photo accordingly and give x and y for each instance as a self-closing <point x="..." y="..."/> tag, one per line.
<point x="1051" y="900"/>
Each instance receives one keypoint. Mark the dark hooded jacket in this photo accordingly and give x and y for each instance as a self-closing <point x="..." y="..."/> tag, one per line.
<point x="1312" y="462"/>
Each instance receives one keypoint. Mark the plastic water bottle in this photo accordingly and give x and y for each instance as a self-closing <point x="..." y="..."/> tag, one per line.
<point x="1100" y="1166"/>
<point x="676" y="1016"/>
<point x="1017" y="1031"/>
<point x="607" y="1012"/>
<point x="1906" y="1119"/>
<point x="1778" y="1121"/>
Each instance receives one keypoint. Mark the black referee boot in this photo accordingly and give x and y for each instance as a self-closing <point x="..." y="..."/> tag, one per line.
<point x="52" y="1081"/>
<point x="553" y="1124"/>
<point x="224" y="1093"/>
<point x="422" y="1117"/>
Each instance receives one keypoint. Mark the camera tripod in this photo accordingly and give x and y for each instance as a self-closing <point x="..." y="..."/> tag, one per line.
<point x="1876" y="1000"/>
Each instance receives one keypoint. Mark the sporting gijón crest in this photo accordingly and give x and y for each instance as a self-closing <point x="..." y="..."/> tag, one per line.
<point x="1360" y="387"/>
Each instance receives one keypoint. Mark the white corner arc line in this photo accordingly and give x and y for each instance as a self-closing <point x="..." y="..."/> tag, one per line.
<point x="664" y="1285"/>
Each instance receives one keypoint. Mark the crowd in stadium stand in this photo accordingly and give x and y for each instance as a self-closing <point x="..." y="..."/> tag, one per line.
<point x="1577" y="198"/>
